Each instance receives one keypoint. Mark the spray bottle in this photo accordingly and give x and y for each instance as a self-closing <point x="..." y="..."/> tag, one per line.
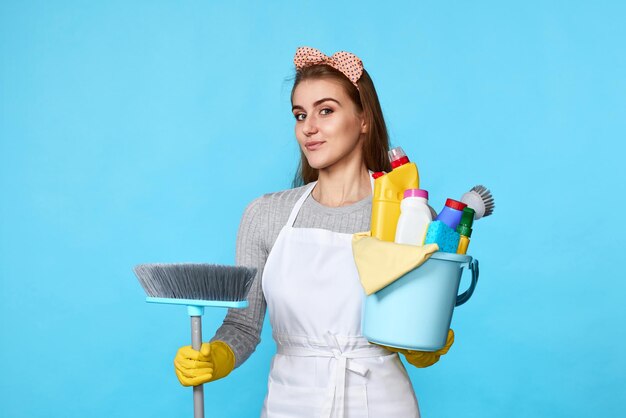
<point x="388" y="193"/>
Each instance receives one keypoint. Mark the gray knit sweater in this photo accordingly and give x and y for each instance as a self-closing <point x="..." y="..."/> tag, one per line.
<point x="261" y="222"/>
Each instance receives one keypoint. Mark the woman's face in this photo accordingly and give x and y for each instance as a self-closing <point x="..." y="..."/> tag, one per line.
<point x="329" y="126"/>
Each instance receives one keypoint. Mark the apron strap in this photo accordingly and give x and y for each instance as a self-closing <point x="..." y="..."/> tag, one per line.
<point x="307" y="192"/>
<point x="299" y="203"/>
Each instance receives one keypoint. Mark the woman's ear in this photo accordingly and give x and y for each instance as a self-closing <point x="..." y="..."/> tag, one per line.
<point x="364" y="126"/>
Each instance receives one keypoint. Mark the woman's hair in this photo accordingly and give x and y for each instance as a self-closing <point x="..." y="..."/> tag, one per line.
<point x="376" y="142"/>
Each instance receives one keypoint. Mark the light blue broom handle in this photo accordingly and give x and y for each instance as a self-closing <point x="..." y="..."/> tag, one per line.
<point x="196" y="344"/>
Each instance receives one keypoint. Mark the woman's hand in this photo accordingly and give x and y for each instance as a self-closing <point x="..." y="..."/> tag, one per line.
<point x="423" y="359"/>
<point x="214" y="361"/>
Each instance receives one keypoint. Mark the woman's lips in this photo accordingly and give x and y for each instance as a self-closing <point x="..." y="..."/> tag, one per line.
<point x="313" y="145"/>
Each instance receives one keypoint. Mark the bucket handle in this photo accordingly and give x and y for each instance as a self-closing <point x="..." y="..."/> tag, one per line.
<point x="464" y="297"/>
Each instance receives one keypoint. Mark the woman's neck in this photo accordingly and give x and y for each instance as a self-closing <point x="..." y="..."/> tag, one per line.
<point x="342" y="186"/>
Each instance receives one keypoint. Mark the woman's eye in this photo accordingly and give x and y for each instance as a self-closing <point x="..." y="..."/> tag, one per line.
<point x="327" y="110"/>
<point x="300" y="116"/>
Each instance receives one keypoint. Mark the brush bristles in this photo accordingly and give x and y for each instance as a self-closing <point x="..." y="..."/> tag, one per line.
<point x="195" y="281"/>
<point x="487" y="198"/>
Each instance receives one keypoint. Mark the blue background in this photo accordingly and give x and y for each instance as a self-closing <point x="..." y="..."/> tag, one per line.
<point x="138" y="131"/>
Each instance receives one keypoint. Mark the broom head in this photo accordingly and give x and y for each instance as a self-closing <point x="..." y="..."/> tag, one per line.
<point x="195" y="281"/>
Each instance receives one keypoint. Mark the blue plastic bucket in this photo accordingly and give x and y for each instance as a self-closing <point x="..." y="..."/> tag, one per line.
<point x="415" y="311"/>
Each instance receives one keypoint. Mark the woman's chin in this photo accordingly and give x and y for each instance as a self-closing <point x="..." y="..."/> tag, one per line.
<point x="318" y="163"/>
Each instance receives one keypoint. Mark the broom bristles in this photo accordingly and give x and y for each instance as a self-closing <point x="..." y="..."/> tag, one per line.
<point x="198" y="281"/>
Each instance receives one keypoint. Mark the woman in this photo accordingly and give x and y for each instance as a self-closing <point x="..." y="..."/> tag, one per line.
<point x="300" y="242"/>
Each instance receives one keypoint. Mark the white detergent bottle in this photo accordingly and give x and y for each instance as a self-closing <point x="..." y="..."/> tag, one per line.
<point x="414" y="218"/>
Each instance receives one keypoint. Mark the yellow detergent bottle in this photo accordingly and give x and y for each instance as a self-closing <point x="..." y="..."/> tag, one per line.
<point x="388" y="193"/>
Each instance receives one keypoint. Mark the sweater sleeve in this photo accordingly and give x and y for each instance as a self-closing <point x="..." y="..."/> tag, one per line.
<point x="241" y="328"/>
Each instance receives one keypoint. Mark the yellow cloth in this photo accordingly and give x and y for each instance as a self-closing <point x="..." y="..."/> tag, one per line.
<point x="423" y="359"/>
<point x="380" y="263"/>
<point x="214" y="361"/>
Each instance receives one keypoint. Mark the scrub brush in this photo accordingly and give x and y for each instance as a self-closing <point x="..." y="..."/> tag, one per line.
<point x="196" y="286"/>
<point x="479" y="199"/>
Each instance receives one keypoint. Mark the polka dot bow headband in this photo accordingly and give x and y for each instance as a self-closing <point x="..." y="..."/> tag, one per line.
<point x="349" y="64"/>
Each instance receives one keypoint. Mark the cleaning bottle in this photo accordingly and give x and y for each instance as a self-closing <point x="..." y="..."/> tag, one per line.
<point x="465" y="229"/>
<point x="451" y="213"/>
<point x="414" y="217"/>
<point x="388" y="193"/>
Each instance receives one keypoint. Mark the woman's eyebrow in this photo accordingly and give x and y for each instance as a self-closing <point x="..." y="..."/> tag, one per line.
<point x="317" y="103"/>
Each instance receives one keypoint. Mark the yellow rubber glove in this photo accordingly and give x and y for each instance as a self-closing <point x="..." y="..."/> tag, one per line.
<point x="214" y="361"/>
<point x="423" y="359"/>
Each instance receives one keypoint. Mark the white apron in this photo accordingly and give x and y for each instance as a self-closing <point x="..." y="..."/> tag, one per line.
<point x="323" y="366"/>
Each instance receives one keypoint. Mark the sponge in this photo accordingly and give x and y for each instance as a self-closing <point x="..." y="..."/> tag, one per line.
<point x="442" y="235"/>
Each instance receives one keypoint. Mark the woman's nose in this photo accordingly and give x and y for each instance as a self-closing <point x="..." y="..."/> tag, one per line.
<point x="309" y="127"/>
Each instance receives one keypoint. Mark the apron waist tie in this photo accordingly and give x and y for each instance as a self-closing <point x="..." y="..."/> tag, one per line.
<point x="336" y="389"/>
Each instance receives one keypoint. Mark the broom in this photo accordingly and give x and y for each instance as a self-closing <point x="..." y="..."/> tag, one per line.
<point x="196" y="286"/>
